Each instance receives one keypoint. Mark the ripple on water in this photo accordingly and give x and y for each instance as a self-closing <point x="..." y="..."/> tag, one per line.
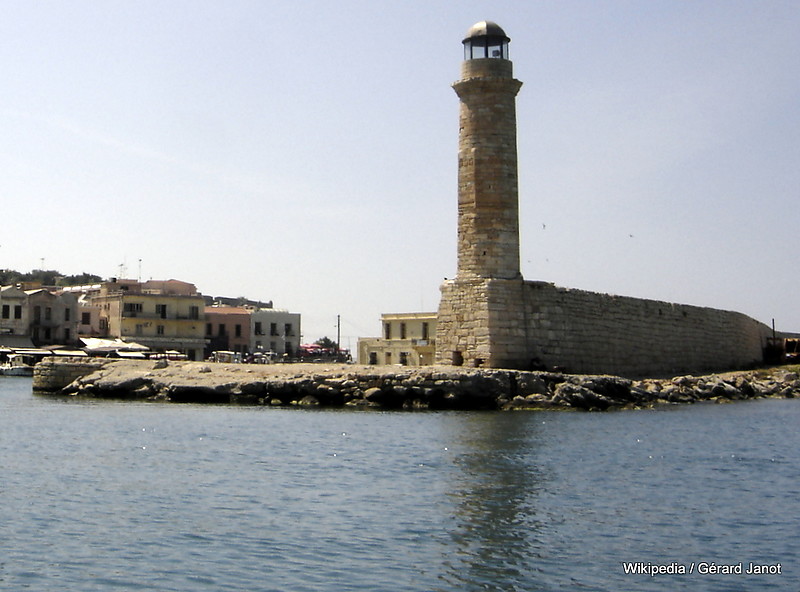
<point x="107" y="496"/>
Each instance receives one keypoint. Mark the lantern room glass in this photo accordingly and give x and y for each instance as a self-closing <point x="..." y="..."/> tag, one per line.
<point x="485" y="47"/>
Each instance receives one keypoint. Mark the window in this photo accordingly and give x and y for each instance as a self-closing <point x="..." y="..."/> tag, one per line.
<point x="402" y="330"/>
<point x="194" y="312"/>
<point x="67" y="313"/>
<point x="238" y="330"/>
<point x="6" y="311"/>
<point x="425" y="331"/>
<point x="287" y="329"/>
<point x="132" y="308"/>
<point x="86" y="318"/>
<point x="209" y="329"/>
<point x="47" y="334"/>
<point x="139" y="329"/>
<point x="404" y="358"/>
<point x="66" y="335"/>
<point x="387" y="330"/>
<point x="37" y="314"/>
<point x="48" y="313"/>
<point x="221" y="330"/>
<point x="273" y="328"/>
<point x="159" y="329"/>
<point x="18" y="311"/>
<point x="161" y="311"/>
<point x="258" y="329"/>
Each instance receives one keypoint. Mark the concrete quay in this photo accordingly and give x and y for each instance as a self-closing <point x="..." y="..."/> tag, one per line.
<point x="393" y="387"/>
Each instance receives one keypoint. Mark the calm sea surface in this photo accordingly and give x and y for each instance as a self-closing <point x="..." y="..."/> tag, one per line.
<point x="104" y="495"/>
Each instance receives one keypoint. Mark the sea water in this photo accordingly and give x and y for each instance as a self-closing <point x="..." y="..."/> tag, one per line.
<point x="111" y="495"/>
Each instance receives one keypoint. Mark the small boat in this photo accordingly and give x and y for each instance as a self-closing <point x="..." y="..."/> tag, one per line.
<point x="16" y="367"/>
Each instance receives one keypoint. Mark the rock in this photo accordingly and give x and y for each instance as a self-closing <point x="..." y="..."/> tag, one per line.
<point x="726" y="390"/>
<point x="580" y="397"/>
<point x="533" y="385"/>
<point x="372" y="394"/>
<point x="609" y="388"/>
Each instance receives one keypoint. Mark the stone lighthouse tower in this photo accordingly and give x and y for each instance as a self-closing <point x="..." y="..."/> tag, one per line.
<point x="488" y="211"/>
<point x="481" y="321"/>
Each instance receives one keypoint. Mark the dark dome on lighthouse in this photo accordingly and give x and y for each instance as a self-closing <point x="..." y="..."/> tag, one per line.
<point x="486" y="39"/>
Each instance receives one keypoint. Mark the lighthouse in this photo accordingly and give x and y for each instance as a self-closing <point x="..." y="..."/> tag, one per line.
<point x="481" y="320"/>
<point x="491" y="317"/>
<point x="488" y="210"/>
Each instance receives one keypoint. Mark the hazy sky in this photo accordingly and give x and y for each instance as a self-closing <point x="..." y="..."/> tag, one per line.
<point x="305" y="152"/>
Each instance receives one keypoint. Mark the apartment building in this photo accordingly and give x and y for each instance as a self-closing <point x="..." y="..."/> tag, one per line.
<point x="248" y="330"/>
<point x="228" y="329"/>
<point x="275" y="331"/>
<point x="162" y="315"/>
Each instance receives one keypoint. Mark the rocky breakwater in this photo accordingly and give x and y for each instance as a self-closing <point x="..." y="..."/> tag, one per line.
<point x="427" y="387"/>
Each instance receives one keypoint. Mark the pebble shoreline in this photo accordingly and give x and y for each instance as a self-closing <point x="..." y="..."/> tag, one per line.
<point x="389" y="387"/>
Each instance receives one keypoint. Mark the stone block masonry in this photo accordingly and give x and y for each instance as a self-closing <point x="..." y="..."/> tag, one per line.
<point x="53" y="373"/>
<point x="587" y="332"/>
<point x="524" y="324"/>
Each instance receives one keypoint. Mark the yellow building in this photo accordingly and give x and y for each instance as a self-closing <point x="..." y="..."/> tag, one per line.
<point x="163" y="315"/>
<point x="408" y="340"/>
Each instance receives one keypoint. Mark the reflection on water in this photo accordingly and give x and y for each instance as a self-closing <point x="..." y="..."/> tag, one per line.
<point x="495" y="496"/>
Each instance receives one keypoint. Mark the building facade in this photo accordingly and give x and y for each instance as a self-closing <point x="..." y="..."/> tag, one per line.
<point x="408" y="339"/>
<point x="33" y="315"/>
<point x="227" y="329"/>
<point x="276" y="332"/>
<point x="247" y="330"/>
<point x="14" y="322"/>
<point x="162" y="315"/>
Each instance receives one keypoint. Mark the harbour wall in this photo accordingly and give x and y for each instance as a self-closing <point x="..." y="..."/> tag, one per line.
<point x="526" y="324"/>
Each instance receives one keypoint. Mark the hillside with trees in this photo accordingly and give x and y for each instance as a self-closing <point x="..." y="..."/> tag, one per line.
<point x="49" y="277"/>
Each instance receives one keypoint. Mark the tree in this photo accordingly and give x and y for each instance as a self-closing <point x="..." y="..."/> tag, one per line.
<point x="327" y="343"/>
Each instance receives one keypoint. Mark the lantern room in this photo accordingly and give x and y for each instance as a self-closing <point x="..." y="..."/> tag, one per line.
<point x="486" y="40"/>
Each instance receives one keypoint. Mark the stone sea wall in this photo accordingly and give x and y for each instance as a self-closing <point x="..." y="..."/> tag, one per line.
<point x="585" y="331"/>
<point x="525" y="324"/>
<point x="427" y="387"/>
